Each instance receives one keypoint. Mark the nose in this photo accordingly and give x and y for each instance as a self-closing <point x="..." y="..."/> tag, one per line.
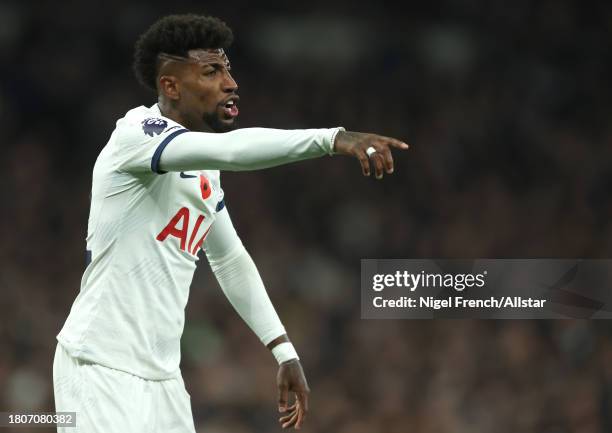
<point x="229" y="84"/>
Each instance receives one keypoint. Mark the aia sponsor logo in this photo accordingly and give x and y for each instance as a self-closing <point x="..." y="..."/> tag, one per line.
<point x="178" y="227"/>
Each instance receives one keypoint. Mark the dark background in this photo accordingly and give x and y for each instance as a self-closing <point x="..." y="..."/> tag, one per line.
<point x="507" y="106"/>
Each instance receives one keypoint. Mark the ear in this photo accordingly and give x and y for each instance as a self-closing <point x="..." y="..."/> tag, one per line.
<point x="169" y="86"/>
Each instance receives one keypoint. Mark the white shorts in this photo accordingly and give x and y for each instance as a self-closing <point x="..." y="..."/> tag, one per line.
<point x="111" y="401"/>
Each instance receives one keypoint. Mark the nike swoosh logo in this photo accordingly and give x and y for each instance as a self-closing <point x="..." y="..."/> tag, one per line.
<point x="186" y="176"/>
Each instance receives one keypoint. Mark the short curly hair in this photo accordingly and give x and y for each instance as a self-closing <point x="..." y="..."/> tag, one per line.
<point x="177" y="34"/>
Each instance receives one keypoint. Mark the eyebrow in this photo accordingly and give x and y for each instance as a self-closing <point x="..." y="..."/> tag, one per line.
<point x="217" y="65"/>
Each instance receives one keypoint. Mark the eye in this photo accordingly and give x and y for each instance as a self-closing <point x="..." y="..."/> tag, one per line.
<point x="210" y="73"/>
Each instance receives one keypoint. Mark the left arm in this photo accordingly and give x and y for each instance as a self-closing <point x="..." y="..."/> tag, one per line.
<point x="242" y="285"/>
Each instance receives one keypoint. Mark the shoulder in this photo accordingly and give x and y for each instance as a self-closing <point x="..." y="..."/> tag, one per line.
<point x="140" y="137"/>
<point x="143" y="124"/>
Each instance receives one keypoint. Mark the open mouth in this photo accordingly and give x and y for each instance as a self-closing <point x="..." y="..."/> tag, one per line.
<point x="231" y="109"/>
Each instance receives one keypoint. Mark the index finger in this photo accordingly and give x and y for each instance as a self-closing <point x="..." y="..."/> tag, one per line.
<point x="395" y="143"/>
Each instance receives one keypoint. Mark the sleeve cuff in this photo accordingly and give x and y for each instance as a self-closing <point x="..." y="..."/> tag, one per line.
<point x="332" y="139"/>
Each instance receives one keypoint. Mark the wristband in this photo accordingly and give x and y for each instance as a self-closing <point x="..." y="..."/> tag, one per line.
<point x="284" y="352"/>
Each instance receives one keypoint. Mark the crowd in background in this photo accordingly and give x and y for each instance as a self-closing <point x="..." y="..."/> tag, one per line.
<point x="507" y="106"/>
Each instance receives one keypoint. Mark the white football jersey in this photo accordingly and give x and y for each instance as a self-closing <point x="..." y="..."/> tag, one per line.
<point x="144" y="233"/>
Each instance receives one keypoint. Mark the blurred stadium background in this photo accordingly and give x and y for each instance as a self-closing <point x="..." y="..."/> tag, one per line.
<point x="508" y="107"/>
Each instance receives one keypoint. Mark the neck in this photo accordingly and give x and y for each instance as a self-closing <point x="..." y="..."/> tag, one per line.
<point x="169" y="109"/>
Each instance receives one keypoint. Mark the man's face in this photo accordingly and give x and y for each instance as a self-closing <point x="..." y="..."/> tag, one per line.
<point x="207" y="98"/>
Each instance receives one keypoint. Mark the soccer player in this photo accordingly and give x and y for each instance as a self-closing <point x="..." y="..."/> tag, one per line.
<point x="157" y="201"/>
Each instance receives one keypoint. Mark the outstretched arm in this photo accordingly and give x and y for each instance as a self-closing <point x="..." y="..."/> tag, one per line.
<point x="242" y="285"/>
<point x="257" y="148"/>
<point x="245" y="149"/>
